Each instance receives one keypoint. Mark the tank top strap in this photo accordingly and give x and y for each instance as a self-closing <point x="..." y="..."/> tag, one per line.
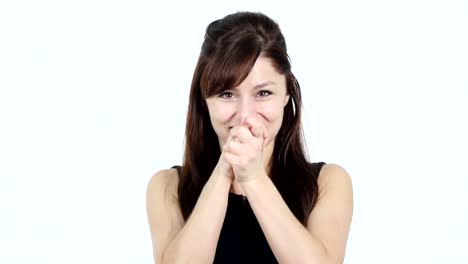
<point x="178" y="168"/>
<point x="316" y="167"/>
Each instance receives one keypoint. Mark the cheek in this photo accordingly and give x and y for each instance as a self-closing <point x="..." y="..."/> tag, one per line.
<point x="273" y="113"/>
<point x="274" y="116"/>
<point x="220" y="114"/>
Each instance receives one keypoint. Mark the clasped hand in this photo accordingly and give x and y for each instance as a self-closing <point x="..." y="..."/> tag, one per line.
<point x="244" y="151"/>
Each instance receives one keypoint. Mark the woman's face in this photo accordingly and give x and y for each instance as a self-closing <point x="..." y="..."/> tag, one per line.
<point x="259" y="99"/>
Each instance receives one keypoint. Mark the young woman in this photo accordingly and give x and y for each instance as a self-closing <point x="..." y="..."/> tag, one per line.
<point x="245" y="192"/>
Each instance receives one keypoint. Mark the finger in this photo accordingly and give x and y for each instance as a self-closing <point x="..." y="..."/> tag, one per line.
<point x="232" y="159"/>
<point x="255" y="127"/>
<point x="265" y="136"/>
<point x="251" y="122"/>
<point x="242" y="134"/>
<point x="234" y="147"/>
<point x="230" y="139"/>
<point x="257" y="131"/>
<point x="234" y="132"/>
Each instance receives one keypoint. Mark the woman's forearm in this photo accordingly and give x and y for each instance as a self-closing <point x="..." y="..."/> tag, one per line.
<point x="197" y="241"/>
<point x="288" y="239"/>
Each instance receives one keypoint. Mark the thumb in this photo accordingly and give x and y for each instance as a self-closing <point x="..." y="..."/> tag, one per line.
<point x="257" y="131"/>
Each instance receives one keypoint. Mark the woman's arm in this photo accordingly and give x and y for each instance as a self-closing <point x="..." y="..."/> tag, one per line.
<point x="324" y="239"/>
<point x="196" y="240"/>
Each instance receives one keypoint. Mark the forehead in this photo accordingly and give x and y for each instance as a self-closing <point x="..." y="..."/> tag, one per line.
<point x="263" y="72"/>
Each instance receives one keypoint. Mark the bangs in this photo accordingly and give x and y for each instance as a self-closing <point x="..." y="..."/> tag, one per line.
<point x="230" y="64"/>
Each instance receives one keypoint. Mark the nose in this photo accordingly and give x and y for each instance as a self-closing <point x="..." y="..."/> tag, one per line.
<point x="246" y="109"/>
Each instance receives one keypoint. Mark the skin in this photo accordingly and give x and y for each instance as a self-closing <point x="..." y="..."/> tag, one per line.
<point x="246" y="121"/>
<point x="248" y="118"/>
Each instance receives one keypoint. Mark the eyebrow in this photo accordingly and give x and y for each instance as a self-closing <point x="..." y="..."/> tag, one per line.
<point x="259" y="86"/>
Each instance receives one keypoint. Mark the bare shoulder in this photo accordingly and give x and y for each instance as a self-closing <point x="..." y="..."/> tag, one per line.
<point x="163" y="212"/>
<point x="162" y="192"/>
<point x="333" y="176"/>
<point x="164" y="181"/>
<point x="330" y="220"/>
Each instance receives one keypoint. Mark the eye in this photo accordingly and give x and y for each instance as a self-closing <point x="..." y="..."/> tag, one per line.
<point x="264" y="93"/>
<point x="225" y="95"/>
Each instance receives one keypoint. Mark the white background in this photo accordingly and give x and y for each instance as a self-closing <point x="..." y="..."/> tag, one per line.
<point x="93" y="102"/>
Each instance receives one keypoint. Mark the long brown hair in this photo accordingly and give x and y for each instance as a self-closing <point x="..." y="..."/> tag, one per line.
<point x="229" y="51"/>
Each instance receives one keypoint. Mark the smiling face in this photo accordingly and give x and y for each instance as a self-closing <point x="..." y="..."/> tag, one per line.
<point x="259" y="99"/>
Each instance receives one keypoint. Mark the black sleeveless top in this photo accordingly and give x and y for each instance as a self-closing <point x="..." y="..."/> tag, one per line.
<point x="241" y="239"/>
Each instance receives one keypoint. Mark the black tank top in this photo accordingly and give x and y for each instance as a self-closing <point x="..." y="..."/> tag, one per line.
<point x="241" y="239"/>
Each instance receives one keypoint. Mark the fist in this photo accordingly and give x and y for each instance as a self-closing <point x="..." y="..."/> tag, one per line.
<point x="244" y="151"/>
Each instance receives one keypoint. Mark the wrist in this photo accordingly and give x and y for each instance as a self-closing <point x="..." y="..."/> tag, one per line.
<point x="221" y="180"/>
<point x="253" y="181"/>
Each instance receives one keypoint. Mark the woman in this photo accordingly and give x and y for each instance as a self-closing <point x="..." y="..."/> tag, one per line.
<point x="245" y="192"/>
